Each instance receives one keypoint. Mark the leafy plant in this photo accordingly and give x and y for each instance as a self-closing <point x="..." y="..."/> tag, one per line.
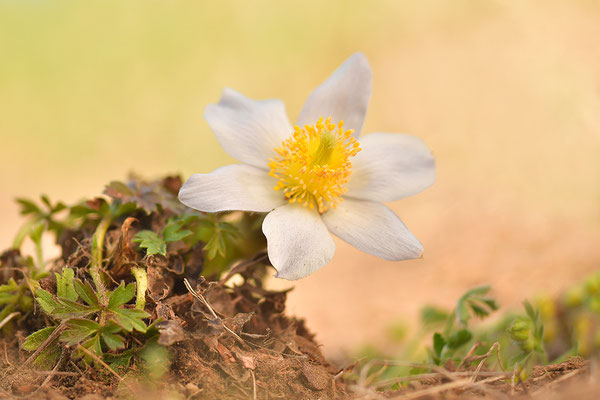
<point x="95" y="326"/>
<point x="157" y="244"/>
<point x="456" y="333"/>
<point x="93" y="318"/>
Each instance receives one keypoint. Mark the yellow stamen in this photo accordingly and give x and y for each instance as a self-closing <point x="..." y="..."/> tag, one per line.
<point x="313" y="164"/>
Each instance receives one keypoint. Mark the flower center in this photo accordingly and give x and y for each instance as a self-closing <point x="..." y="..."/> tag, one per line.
<point x="313" y="164"/>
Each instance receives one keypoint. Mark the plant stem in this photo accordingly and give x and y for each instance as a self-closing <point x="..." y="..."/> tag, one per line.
<point x="39" y="255"/>
<point x="22" y="234"/>
<point x="97" y="256"/>
<point x="141" y="279"/>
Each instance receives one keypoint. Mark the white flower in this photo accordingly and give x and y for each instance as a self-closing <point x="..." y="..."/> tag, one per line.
<point x="324" y="180"/>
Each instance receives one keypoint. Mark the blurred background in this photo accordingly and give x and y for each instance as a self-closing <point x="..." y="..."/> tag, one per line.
<point x="505" y="93"/>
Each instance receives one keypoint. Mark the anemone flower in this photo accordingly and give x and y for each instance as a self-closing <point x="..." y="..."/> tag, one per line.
<point x="317" y="177"/>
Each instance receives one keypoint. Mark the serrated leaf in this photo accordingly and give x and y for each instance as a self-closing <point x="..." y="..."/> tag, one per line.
<point x="491" y="303"/>
<point x="46" y="201"/>
<point x="228" y="229"/>
<point x="35" y="340"/>
<point x="438" y="344"/>
<point x="78" y="330"/>
<point x="121" y="295"/>
<point x="48" y="357"/>
<point x="130" y="319"/>
<point x="58" y="207"/>
<point x="71" y="309"/>
<point x="81" y="210"/>
<point x="93" y="345"/>
<point x="118" y="190"/>
<point x="64" y="284"/>
<point x="117" y="361"/>
<point x="477" y="291"/>
<point x="172" y="233"/>
<point x="46" y="301"/>
<point x="113" y="341"/>
<point x="479" y="311"/>
<point x="215" y="246"/>
<point x="28" y="207"/>
<point x="150" y="241"/>
<point x="459" y="339"/>
<point x="87" y="293"/>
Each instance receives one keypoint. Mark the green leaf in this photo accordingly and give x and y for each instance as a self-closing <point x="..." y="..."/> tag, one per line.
<point x="438" y="344"/>
<point x="93" y="345"/>
<point x="491" y="303"/>
<point x="35" y="340"/>
<point x="64" y="285"/>
<point x="531" y="312"/>
<point x="46" y="201"/>
<point x="81" y="210"/>
<point x="113" y="341"/>
<point x="70" y="309"/>
<point x="48" y="357"/>
<point x="479" y="311"/>
<point x="46" y="301"/>
<point x="36" y="232"/>
<point x="130" y="319"/>
<point x="78" y="330"/>
<point x="28" y="207"/>
<point x="6" y="298"/>
<point x="150" y="241"/>
<point x="121" y="295"/>
<point x="118" y="190"/>
<point x="87" y="293"/>
<point x="121" y="360"/>
<point x="462" y="313"/>
<point x="10" y="286"/>
<point x="459" y="339"/>
<point x="433" y="316"/>
<point x="172" y="233"/>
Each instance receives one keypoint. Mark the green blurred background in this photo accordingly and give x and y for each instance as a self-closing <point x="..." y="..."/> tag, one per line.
<point x="505" y="93"/>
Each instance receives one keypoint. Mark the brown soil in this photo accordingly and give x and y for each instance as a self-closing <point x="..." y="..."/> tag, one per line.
<point x="228" y="338"/>
<point x="251" y="349"/>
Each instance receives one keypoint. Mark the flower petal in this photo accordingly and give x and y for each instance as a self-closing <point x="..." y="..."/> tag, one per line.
<point x="248" y="130"/>
<point x="233" y="187"/>
<point x="298" y="242"/>
<point x="390" y="166"/>
<point x="344" y="96"/>
<point x="374" y="229"/>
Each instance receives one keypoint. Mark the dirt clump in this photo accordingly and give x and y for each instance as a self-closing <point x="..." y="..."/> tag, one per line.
<point x="218" y="333"/>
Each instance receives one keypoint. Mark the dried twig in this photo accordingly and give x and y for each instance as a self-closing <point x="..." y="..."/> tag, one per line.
<point x="6" y="355"/>
<point x="99" y="360"/>
<point x="214" y="314"/>
<point x="469" y="354"/>
<point x="558" y="380"/>
<point x="433" y="375"/>
<point x="53" y="336"/>
<point x="513" y="380"/>
<point x="484" y="358"/>
<point x="462" y="384"/>
<point x="63" y="358"/>
<point x="8" y="318"/>
<point x="253" y="385"/>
